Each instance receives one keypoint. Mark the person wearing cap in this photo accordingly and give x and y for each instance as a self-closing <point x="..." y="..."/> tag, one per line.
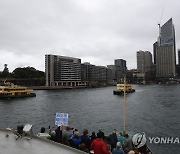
<point x="118" y="149"/>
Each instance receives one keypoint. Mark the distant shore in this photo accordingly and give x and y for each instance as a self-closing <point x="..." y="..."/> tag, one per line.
<point x="62" y="87"/>
<point x="49" y="88"/>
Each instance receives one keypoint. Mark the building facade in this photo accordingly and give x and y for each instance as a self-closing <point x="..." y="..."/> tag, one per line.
<point x="70" y="72"/>
<point x="178" y="65"/>
<point x="111" y="74"/>
<point x="62" y="71"/>
<point x="144" y="66"/>
<point x="144" y="61"/>
<point x="121" y="69"/>
<point x="166" y="52"/>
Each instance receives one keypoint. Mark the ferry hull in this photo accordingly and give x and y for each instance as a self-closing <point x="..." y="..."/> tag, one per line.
<point x="118" y="92"/>
<point x="17" y="96"/>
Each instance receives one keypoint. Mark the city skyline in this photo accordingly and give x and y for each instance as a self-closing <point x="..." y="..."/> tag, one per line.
<point x="95" y="31"/>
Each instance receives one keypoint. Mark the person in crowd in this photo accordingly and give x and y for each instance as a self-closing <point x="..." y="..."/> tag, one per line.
<point x="85" y="139"/>
<point x="118" y="149"/>
<point x="75" y="141"/>
<point x="113" y="139"/>
<point x="52" y="136"/>
<point x="108" y="147"/>
<point x="42" y="134"/>
<point x="83" y="147"/>
<point x="101" y="132"/>
<point x="127" y="146"/>
<point x="98" y="145"/>
<point x="131" y="152"/>
<point x="66" y="135"/>
<point x="120" y="138"/>
<point x="49" y="129"/>
<point x="58" y="134"/>
<point x="139" y="142"/>
<point x="93" y="136"/>
<point x="42" y="130"/>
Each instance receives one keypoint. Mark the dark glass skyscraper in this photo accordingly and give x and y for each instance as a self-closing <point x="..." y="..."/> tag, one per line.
<point x="165" y="51"/>
<point x="121" y="69"/>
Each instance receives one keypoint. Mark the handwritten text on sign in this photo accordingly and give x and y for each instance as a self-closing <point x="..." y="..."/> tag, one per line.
<point x="61" y="119"/>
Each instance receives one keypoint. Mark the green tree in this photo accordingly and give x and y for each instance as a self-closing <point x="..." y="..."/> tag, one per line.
<point x="5" y="73"/>
<point x="29" y="76"/>
<point x="27" y="73"/>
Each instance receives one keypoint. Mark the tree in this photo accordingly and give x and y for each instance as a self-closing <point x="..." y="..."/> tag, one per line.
<point x="5" y="73"/>
<point x="29" y="76"/>
<point x="27" y="73"/>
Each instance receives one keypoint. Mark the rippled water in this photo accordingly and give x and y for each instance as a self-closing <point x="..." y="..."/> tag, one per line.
<point x="153" y="109"/>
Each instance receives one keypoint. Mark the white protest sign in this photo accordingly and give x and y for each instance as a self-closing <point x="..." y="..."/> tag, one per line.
<point x="61" y="119"/>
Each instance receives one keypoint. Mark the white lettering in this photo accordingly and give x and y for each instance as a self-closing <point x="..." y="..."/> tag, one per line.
<point x="176" y="140"/>
<point x="170" y="140"/>
<point x="163" y="140"/>
<point x="157" y="140"/>
<point x="151" y="139"/>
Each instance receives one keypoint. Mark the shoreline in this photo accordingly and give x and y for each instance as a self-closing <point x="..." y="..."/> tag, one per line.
<point x="61" y="87"/>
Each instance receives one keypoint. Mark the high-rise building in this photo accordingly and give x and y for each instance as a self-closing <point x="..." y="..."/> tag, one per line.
<point x="178" y="56"/>
<point x="62" y="71"/>
<point x="144" y="61"/>
<point x="121" y="69"/>
<point x="70" y="72"/>
<point x="165" y="54"/>
<point x="111" y="73"/>
<point x="178" y="66"/>
<point x="155" y="51"/>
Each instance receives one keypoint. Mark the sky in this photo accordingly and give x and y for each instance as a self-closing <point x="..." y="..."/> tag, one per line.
<point x="96" y="31"/>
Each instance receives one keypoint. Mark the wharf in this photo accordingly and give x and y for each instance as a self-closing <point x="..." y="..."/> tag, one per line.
<point x="49" y="88"/>
<point x="35" y="145"/>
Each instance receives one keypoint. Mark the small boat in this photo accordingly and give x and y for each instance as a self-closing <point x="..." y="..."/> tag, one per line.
<point x="123" y="87"/>
<point x="9" y="90"/>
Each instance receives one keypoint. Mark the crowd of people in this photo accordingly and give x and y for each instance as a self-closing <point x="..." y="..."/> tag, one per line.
<point x="98" y="143"/>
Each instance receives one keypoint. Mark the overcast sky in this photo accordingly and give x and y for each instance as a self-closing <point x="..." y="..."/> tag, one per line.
<point x="96" y="31"/>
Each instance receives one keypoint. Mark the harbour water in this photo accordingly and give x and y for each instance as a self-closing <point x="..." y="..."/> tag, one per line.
<point x="153" y="109"/>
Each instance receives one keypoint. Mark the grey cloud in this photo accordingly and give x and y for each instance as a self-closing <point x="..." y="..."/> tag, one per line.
<point x="95" y="31"/>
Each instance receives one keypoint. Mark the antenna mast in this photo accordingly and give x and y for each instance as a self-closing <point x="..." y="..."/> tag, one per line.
<point x="159" y="25"/>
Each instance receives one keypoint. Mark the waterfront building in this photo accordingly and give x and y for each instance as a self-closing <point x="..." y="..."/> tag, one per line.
<point x="121" y="69"/>
<point x="70" y="72"/>
<point x="178" y="56"/>
<point x="144" y="61"/>
<point x="102" y="73"/>
<point x="178" y="65"/>
<point x="165" y="51"/>
<point x="144" y="66"/>
<point x="111" y="75"/>
<point x="155" y="51"/>
<point x="62" y="71"/>
<point x="131" y="76"/>
<point x="98" y="75"/>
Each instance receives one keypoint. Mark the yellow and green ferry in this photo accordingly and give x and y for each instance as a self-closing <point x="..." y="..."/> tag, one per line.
<point x="9" y="90"/>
